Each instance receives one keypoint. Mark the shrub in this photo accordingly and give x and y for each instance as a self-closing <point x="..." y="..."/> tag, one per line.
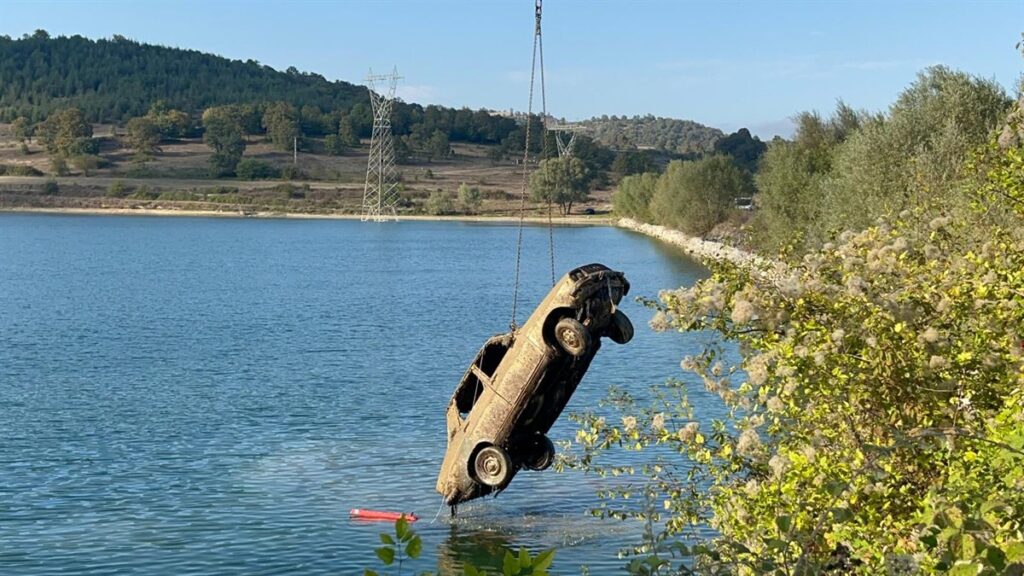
<point x="470" y="198"/>
<point x="59" y="165"/>
<point x="86" y="163"/>
<point x="440" y="203"/>
<point x="178" y="196"/>
<point x="143" y="193"/>
<point x="292" y="172"/>
<point x="118" y="189"/>
<point x="51" y="188"/>
<point x="289" y="191"/>
<point x="19" y="170"/>
<point x="252" y="169"/>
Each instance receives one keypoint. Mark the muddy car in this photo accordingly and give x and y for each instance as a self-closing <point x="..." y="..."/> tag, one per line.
<point x="520" y="382"/>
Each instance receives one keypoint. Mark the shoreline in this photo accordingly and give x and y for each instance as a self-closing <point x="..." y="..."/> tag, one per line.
<point x="695" y="247"/>
<point x="160" y="212"/>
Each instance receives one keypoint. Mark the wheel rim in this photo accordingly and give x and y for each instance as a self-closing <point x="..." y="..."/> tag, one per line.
<point x="570" y="338"/>
<point x="491" y="467"/>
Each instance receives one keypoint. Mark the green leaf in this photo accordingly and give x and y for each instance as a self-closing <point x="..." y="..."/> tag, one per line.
<point x="386" y="555"/>
<point x="969" y="569"/>
<point x="402" y="528"/>
<point x="524" y="558"/>
<point x="967" y="545"/>
<point x="470" y="570"/>
<point x="387" y="539"/>
<point x="783" y="523"/>
<point x="841" y="514"/>
<point x="415" y="546"/>
<point x="776" y="544"/>
<point x="543" y="560"/>
<point x="1014" y="552"/>
<point x="996" y="558"/>
<point x="510" y="566"/>
<point x="369" y="572"/>
<point x="835" y="487"/>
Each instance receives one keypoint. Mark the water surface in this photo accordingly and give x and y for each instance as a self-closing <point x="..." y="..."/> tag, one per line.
<point x="211" y="396"/>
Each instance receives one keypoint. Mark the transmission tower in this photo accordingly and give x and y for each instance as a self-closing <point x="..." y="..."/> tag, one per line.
<point x="565" y="147"/>
<point x="380" y="195"/>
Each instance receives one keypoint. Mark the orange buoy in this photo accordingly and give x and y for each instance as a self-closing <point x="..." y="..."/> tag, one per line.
<point x="380" y="515"/>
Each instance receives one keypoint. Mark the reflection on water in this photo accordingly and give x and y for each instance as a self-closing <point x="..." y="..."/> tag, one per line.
<point x="196" y="396"/>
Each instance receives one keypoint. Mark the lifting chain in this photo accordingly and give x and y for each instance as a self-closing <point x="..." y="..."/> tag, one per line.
<point x="538" y="50"/>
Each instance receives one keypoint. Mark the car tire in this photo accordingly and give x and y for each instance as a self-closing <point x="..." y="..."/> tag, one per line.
<point x="541" y="453"/>
<point x="492" y="466"/>
<point x="572" y="336"/>
<point x="621" y="329"/>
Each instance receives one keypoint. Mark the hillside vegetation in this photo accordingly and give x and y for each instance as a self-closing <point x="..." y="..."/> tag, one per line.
<point x="112" y="80"/>
<point x="669" y="134"/>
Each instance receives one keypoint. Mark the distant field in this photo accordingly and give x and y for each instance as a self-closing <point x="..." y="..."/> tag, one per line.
<point x="178" y="178"/>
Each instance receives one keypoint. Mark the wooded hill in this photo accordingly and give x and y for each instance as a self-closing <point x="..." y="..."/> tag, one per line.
<point x="113" y="80"/>
<point x="668" y="134"/>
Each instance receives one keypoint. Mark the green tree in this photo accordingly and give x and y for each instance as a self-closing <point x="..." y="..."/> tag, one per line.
<point x="562" y="181"/>
<point x="170" y="123"/>
<point x="21" y="129"/>
<point x="143" y="136"/>
<point x="347" y="133"/>
<point x="67" y="133"/>
<point x="695" y="196"/>
<point x="86" y="163"/>
<point x="744" y="149"/>
<point x="470" y="198"/>
<point x="333" y="145"/>
<point x="281" y="121"/>
<point x="438" y="146"/>
<point x="632" y="161"/>
<point x="633" y="197"/>
<point x="224" y="135"/>
<point x="792" y="179"/>
<point x="916" y="153"/>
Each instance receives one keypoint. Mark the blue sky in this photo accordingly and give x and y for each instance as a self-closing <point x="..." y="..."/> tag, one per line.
<point x="726" y="64"/>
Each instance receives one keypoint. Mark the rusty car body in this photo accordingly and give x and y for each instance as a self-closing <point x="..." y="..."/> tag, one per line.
<point x="520" y="382"/>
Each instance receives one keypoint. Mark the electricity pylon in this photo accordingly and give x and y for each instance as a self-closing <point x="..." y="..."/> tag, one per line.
<point x="565" y="148"/>
<point x="380" y="195"/>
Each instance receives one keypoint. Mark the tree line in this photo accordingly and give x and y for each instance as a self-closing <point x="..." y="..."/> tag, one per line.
<point x="838" y="171"/>
<point x="115" y="80"/>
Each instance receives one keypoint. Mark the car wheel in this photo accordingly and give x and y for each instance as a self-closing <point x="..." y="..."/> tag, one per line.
<point x="492" y="466"/>
<point x="572" y="336"/>
<point x="621" y="330"/>
<point x="541" y="453"/>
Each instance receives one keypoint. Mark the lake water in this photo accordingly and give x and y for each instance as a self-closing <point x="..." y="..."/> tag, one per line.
<point x="211" y="396"/>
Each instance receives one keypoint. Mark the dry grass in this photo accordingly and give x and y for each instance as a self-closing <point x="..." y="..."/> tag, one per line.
<point x="336" y="182"/>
